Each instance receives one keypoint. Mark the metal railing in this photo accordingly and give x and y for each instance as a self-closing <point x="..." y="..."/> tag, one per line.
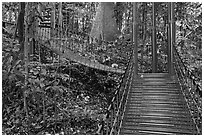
<point x="113" y="117"/>
<point x="191" y="89"/>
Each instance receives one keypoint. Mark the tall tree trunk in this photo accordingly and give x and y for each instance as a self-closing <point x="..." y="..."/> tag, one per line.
<point x="20" y="26"/>
<point x="77" y="26"/>
<point x="60" y="20"/>
<point x="33" y="25"/>
<point x="26" y="58"/>
<point x="104" y="25"/>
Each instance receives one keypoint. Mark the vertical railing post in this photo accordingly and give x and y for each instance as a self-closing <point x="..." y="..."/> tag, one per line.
<point x="171" y="36"/>
<point x="135" y="42"/>
<point x="154" y="42"/>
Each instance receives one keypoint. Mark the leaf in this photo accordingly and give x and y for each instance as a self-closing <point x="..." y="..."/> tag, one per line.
<point x="30" y="80"/>
<point x="38" y="127"/>
<point x="48" y="88"/>
<point x="19" y="83"/>
<point x="42" y="84"/>
<point x="17" y="121"/>
<point x="43" y="72"/>
<point x="58" y="88"/>
<point x="37" y="81"/>
<point x="39" y="90"/>
<point x="56" y="82"/>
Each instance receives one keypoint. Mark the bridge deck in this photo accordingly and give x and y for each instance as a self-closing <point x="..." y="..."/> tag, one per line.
<point x="60" y="46"/>
<point x="155" y="105"/>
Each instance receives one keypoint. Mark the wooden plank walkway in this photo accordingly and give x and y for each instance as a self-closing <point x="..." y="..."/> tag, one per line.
<point x="155" y="105"/>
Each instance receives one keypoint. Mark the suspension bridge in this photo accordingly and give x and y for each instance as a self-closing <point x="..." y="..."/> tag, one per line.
<point x="144" y="103"/>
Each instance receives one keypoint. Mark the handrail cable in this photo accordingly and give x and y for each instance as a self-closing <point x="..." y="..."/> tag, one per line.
<point x="192" y="91"/>
<point x="113" y="117"/>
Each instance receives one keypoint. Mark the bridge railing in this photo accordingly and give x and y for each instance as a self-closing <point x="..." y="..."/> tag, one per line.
<point x="191" y="89"/>
<point x="113" y="117"/>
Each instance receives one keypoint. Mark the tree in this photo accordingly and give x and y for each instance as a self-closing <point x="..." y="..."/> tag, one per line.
<point x="119" y="10"/>
<point x="104" y="26"/>
<point x="20" y="25"/>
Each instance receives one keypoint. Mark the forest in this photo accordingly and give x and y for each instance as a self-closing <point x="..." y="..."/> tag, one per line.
<point x="63" y="62"/>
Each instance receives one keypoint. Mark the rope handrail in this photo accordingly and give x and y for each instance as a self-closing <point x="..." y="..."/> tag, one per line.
<point x="190" y="73"/>
<point x="62" y="47"/>
<point x="191" y="89"/>
<point x="113" y="117"/>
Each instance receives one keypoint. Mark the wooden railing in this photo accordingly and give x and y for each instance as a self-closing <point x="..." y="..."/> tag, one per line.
<point x="191" y="90"/>
<point x="113" y="117"/>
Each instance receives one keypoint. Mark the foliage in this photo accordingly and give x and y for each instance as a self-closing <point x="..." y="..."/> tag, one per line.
<point x="10" y="11"/>
<point x="189" y="35"/>
<point x="64" y="97"/>
<point x="60" y="98"/>
<point x="119" y="10"/>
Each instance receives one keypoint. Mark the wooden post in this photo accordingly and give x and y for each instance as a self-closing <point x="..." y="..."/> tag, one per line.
<point x="135" y="42"/>
<point x="154" y="42"/>
<point x="144" y="16"/>
<point x="173" y="31"/>
<point x="171" y="35"/>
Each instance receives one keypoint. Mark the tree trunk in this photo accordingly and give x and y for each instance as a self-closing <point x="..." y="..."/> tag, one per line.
<point x="20" y="25"/>
<point x="104" y="26"/>
<point x="26" y="58"/>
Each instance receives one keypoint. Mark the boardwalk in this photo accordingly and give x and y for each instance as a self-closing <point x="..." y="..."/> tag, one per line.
<point x="156" y="105"/>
